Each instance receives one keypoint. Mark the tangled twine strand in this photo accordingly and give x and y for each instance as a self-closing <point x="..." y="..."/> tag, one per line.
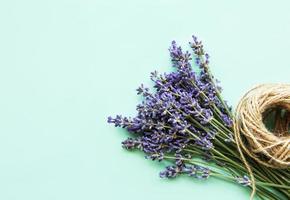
<point x="271" y="149"/>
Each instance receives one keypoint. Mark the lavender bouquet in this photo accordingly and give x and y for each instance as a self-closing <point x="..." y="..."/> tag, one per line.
<point x="186" y="122"/>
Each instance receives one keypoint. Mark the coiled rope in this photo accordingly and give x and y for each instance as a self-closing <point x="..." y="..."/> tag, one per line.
<point x="271" y="149"/>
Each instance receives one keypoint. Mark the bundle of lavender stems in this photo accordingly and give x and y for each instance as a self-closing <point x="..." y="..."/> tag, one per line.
<point x="185" y="122"/>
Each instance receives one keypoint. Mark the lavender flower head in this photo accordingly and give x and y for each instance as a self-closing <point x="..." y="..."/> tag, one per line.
<point x="245" y="180"/>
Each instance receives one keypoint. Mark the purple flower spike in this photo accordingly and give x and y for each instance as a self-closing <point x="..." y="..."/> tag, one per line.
<point x="131" y="143"/>
<point x="170" y="172"/>
<point x="143" y="91"/>
<point x="245" y="181"/>
<point x="117" y="121"/>
<point x="227" y="120"/>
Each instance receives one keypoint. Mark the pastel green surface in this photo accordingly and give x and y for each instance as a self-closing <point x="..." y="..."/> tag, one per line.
<point x="65" y="65"/>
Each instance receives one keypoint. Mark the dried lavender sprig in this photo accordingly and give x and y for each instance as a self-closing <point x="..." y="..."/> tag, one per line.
<point x="202" y="60"/>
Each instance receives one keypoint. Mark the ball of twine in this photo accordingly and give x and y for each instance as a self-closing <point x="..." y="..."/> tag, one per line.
<point x="271" y="149"/>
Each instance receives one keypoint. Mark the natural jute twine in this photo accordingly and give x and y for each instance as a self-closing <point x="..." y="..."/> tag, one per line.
<point x="271" y="149"/>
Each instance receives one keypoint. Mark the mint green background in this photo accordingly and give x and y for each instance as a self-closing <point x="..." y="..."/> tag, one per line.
<point x="65" y="65"/>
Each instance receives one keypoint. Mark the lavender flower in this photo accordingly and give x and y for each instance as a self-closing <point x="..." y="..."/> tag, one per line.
<point x="204" y="143"/>
<point x="131" y="143"/>
<point x="195" y="171"/>
<point x="170" y="172"/>
<point x="117" y="120"/>
<point x="143" y="91"/>
<point x="157" y="156"/>
<point x="227" y="120"/>
<point x="245" y="181"/>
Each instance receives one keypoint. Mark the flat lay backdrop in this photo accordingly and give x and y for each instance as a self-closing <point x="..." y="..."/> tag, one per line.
<point x="65" y="65"/>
